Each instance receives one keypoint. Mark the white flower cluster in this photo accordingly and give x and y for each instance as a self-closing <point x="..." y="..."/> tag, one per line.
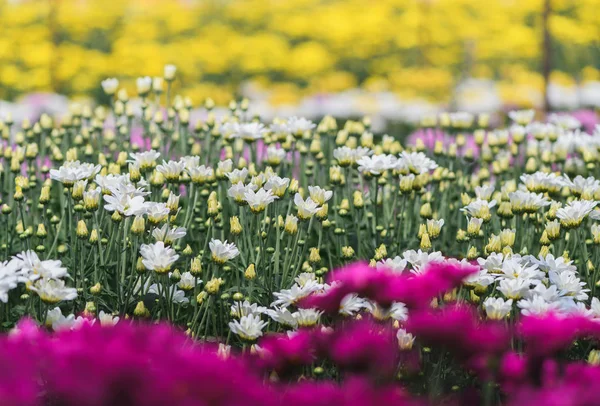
<point x="43" y="277"/>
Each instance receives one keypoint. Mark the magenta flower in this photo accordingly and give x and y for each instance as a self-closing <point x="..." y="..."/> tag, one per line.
<point x="385" y="286"/>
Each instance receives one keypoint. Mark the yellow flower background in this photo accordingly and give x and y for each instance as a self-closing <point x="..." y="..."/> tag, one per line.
<point x="294" y="48"/>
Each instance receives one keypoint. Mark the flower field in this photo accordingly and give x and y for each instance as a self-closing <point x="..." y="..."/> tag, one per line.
<point x="148" y="258"/>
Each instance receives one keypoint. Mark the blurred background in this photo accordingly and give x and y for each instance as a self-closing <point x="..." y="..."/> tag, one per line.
<point x="392" y="59"/>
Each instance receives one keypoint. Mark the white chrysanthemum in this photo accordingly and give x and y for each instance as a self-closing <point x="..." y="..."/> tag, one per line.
<point x="287" y="297"/>
<point x="245" y="308"/>
<point x="143" y="85"/>
<point x="248" y="327"/>
<point x="158" y="257"/>
<point x="34" y="268"/>
<point x="575" y="212"/>
<point x="171" y="170"/>
<point x="222" y="251"/>
<point x="536" y="306"/>
<point x="225" y="166"/>
<point x="53" y="290"/>
<point x="258" y="201"/>
<point x="565" y="121"/>
<point x="57" y="321"/>
<point x="352" y="304"/>
<point x="200" y="173"/>
<point x="10" y="276"/>
<point x="347" y="156"/>
<point x="72" y="171"/>
<point x="579" y="184"/>
<point x="397" y="311"/>
<point x="246" y="131"/>
<point x="514" y="288"/>
<point x="319" y="195"/>
<point x="480" y="279"/>
<point x="107" y="319"/>
<point x="493" y="263"/>
<point x="283" y="316"/>
<point x="416" y="162"/>
<point x="377" y="164"/>
<point x="549" y="293"/>
<point x="110" y="85"/>
<point x="237" y="175"/>
<point x="126" y="204"/>
<point x="479" y="208"/>
<point x="522" y="117"/>
<point x="484" y="192"/>
<point x="307" y="317"/>
<point x="541" y="182"/>
<point x="527" y="202"/>
<point x="397" y="264"/>
<point x="405" y="339"/>
<point x="419" y="259"/>
<point x="550" y="263"/>
<point x="145" y="160"/>
<point x="275" y="155"/>
<point x="187" y="282"/>
<point x="569" y="284"/>
<point x="157" y="211"/>
<point x="238" y="190"/>
<point x="168" y="234"/>
<point x="306" y="208"/>
<point x="497" y="308"/>
<point x="298" y="125"/>
<point x="515" y="269"/>
<point x="277" y="185"/>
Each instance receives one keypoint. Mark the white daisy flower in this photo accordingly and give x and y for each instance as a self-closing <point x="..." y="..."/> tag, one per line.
<point x="53" y="291"/>
<point x="168" y="234"/>
<point x="222" y="251"/>
<point x="237" y="175"/>
<point x="107" y="319"/>
<point x="145" y="160"/>
<point x="306" y="208"/>
<point x="258" y="201"/>
<point x="248" y="327"/>
<point x="396" y="264"/>
<point x="72" y="171"/>
<point x="245" y="308"/>
<point x="157" y="257"/>
<point x="110" y="85"/>
<point x="573" y="214"/>
<point x="319" y="195"/>
<point x="34" y="268"/>
<point x="497" y="308"/>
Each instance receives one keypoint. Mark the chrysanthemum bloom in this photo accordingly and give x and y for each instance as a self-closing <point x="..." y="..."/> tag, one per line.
<point x="157" y="257"/>
<point x="222" y="251"/>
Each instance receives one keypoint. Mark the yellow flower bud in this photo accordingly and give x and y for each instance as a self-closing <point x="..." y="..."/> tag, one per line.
<point x="41" y="231"/>
<point x="314" y="256"/>
<point x="141" y="310"/>
<point x="380" y="252"/>
<point x="82" y="230"/>
<point x="138" y="226"/>
<point x="45" y="194"/>
<point x="347" y="252"/>
<point x="212" y="286"/>
<point x="250" y="272"/>
<point x="94" y="236"/>
<point x="425" y="242"/>
<point x="235" y="226"/>
<point x="96" y="289"/>
<point x="357" y="198"/>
